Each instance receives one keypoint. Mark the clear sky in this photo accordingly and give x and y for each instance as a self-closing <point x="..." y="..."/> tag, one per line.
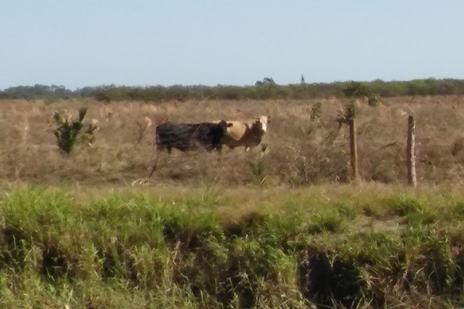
<point x="79" y="43"/>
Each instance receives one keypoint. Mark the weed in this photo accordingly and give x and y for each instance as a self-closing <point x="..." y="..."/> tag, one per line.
<point x="459" y="208"/>
<point x="402" y="205"/>
<point x="328" y="220"/>
<point x="257" y="172"/>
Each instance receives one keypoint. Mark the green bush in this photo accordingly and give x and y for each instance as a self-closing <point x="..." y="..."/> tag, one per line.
<point x="68" y="130"/>
<point x="403" y="205"/>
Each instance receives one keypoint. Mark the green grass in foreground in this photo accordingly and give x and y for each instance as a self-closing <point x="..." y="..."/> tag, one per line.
<point x="330" y="247"/>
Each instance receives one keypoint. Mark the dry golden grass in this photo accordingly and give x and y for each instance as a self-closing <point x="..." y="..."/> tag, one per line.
<point x="300" y="151"/>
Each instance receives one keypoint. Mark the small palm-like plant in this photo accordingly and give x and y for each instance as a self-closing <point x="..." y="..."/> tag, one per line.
<point x="68" y="130"/>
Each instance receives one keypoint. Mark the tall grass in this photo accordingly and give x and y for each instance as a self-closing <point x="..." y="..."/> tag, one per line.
<point x="201" y="249"/>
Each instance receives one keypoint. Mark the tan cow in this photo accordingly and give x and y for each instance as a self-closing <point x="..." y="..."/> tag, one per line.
<point x="246" y="134"/>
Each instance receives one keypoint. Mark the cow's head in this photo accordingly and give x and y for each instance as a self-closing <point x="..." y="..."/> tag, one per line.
<point x="224" y="124"/>
<point x="221" y="128"/>
<point x="261" y="123"/>
<point x="217" y="133"/>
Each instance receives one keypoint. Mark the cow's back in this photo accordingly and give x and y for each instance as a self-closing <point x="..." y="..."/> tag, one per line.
<point x="185" y="136"/>
<point x="210" y="134"/>
<point x="174" y="135"/>
<point x="245" y="133"/>
<point x="237" y="131"/>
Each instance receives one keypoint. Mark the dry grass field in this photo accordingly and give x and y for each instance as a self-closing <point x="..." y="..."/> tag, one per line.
<point x="301" y="149"/>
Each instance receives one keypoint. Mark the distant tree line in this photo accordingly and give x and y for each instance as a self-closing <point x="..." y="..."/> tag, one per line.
<point x="265" y="89"/>
<point x="36" y="92"/>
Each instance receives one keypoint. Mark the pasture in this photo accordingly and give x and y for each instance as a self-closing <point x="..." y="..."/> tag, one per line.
<point x="305" y="143"/>
<point x="280" y="228"/>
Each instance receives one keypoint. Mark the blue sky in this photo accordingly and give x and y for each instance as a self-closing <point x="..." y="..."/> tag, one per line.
<point x="142" y="42"/>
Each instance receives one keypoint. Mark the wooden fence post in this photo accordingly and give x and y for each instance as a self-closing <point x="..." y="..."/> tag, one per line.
<point x="411" y="151"/>
<point x="353" y="150"/>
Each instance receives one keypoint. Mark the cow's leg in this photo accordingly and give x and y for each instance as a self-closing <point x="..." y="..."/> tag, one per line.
<point x="264" y="147"/>
<point x="153" y="168"/>
<point x="155" y="165"/>
<point x="247" y="148"/>
<point x="157" y="154"/>
<point x="217" y="147"/>
<point x="142" y="181"/>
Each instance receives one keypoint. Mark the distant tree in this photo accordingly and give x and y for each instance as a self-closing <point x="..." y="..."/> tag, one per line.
<point x="302" y="81"/>
<point x="356" y="90"/>
<point x="267" y="81"/>
<point x="101" y="96"/>
<point x="38" y="91"/>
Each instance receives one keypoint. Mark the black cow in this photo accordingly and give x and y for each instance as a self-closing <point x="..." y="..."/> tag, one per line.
<point x="187" y="136"/>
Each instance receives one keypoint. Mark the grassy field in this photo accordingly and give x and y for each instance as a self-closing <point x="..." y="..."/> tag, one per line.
<point x="305" y="146"/>
<point x="235" y="229"/>
<point x="213" y="247"/>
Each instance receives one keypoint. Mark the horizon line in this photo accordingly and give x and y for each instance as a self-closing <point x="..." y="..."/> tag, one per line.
<point x="229" y="85"/>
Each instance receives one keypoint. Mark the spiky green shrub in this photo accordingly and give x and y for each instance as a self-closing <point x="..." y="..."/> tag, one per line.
<point x="68" y="130"/>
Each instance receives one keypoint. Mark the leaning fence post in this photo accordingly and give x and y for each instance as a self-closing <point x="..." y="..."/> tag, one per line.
<point x="353" y="150"/>
<point x="411" y="151"/>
